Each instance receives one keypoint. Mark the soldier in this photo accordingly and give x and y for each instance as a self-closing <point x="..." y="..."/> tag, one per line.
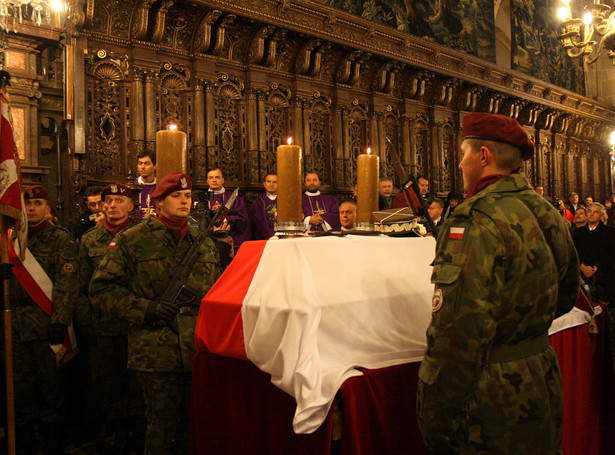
<point x="505" y="267"/>
<point x="37" y="324"/>
<point x="122" y="401"/>
<point x="128" y="283"/>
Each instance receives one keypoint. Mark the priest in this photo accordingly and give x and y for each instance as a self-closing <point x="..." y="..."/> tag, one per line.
<point x="320" y="211"/>
<point x="264" y="212"/>
<point x="238" y="221"/>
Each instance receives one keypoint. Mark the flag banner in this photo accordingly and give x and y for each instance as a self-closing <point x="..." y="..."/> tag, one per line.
<point x="310" y="311"/>
<point x="11" y="197"/>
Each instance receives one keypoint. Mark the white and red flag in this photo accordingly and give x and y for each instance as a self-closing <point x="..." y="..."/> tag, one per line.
<point x="309" y="311"/>
<point x="11" y="197"/>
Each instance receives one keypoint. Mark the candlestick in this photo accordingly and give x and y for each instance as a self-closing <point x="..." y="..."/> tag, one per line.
<point x="171" y="152"/>
<point x="289" y="188"/>
<point x="368" y="166"/>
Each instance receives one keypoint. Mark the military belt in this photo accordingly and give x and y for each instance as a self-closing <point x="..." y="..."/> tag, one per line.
<point x="521" y="350"/>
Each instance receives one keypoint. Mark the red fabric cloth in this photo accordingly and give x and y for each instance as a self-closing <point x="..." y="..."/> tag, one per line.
<point x="220" y="327"/>
<point x="379" y="412"/>
<point x="32" y="230"/>
<point x="115" y="228"/>
<point x="399" y="201"/>
<point x="483" y="183"/>
<point x="236" y="410"/>
<point x="586" y="365"/>
<point x="181" y="226"/>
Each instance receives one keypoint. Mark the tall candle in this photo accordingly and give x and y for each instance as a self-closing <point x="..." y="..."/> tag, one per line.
<point x="289" y="183"/>
<point x="368" y="166"/>
<point x="171" y="152"/>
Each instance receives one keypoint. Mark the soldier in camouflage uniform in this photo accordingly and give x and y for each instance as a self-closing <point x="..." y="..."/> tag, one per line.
<point x="505" y="267"/>
<point x="130" y="279"/>
<point x="38" y="375"/>
<point x="121" y="396"/>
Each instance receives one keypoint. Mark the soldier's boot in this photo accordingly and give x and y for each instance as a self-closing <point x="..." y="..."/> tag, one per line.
<point x="53" y="433"/>
<point x="25" y="439"/>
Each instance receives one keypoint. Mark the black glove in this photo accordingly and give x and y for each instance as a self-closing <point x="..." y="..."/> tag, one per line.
<point x="87" y="335"/>
<point x="56" y="333"/>
<point x="160" y="311"/>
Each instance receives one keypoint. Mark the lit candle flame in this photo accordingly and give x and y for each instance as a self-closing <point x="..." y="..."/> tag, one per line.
<point x="369" y="150"/>
<point x="172" y="127"/>
<point x="289" y="140"/>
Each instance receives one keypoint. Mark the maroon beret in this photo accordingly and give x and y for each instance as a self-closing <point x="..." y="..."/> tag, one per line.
<point x="498" y="128"/>
<point x="36" y="192"/>
<point x="177" y="181"/>
<point x="116" y="189"/>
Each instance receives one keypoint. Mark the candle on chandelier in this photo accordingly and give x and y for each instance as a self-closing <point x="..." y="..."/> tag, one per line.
<point x="171" y="152"/>
<point x="289" y="182"/>
<point x="368" y="167"/>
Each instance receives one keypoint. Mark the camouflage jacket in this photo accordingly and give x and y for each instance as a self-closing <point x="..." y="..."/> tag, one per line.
<point x="55" y="252"/>
<point x="137" y="269"/>
<point x="505" y="267"/>
<point x="94" y="244"/>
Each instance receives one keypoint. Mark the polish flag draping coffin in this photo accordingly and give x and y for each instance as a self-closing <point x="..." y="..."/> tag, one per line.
<point x="309" y="311"/>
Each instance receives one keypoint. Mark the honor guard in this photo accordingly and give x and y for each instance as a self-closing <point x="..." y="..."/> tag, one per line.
<point x="505" y="267"/>
<point x="42" y="295"/>
<point x="120" y="396"/>
<point x="128" y="283"/>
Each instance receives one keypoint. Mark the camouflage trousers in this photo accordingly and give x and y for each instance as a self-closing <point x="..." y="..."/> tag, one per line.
<point x="121" y="392"/>
<point x="40" y="385"/>
<point x="167" y="409"/>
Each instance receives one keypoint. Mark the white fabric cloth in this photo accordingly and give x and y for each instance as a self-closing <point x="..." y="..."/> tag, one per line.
<point x="573" y="318"/>
<point x="334" y="304"/>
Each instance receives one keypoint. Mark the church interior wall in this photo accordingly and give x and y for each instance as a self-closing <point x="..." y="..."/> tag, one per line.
<point x="240" y="78"/>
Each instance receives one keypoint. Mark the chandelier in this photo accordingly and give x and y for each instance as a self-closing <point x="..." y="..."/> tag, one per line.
<point x="37" y="11"/>
<point x="587" y="36"/>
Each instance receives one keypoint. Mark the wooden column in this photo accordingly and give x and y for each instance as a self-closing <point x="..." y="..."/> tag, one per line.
<point x="151" y="126"/>
<point x="137" y="120"/>
<point x="338" y="145"/>
<point x="198" y="130"/>
<point x="210" y="133"/>
<point x="252" y="138"/>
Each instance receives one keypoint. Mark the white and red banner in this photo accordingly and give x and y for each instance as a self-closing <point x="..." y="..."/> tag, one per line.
<point x="11" y="197"/>
<point x="309" y="311"/>
<point x="39" y="287"/>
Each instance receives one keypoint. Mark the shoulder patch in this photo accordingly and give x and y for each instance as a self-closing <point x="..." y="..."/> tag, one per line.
<point x="112" y="245"/>
<point x="68" y="267"/>
<point x="436" y="301"/>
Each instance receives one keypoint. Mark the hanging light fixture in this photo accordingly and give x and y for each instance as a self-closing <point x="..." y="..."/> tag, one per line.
<point x="38" y="12"/>
<point x="588" y="35"/>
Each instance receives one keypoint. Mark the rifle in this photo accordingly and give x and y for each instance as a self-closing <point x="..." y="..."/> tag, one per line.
<point x="176" y="292"/>
<point x="411" y="191"/>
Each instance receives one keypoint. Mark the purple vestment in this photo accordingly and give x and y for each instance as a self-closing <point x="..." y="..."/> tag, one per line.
<point x="239" y="206"/>
<point x="325" y="205"/>
<point x="264" y="213"/>
<point x="147" y="204"/>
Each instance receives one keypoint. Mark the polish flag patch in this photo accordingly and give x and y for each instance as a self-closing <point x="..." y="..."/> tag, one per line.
<point x="112" y="245"/>
<point x="456" y="233"/>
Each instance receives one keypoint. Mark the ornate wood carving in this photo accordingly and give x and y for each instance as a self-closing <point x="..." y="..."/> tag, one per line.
<point x="312" y="72"/>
